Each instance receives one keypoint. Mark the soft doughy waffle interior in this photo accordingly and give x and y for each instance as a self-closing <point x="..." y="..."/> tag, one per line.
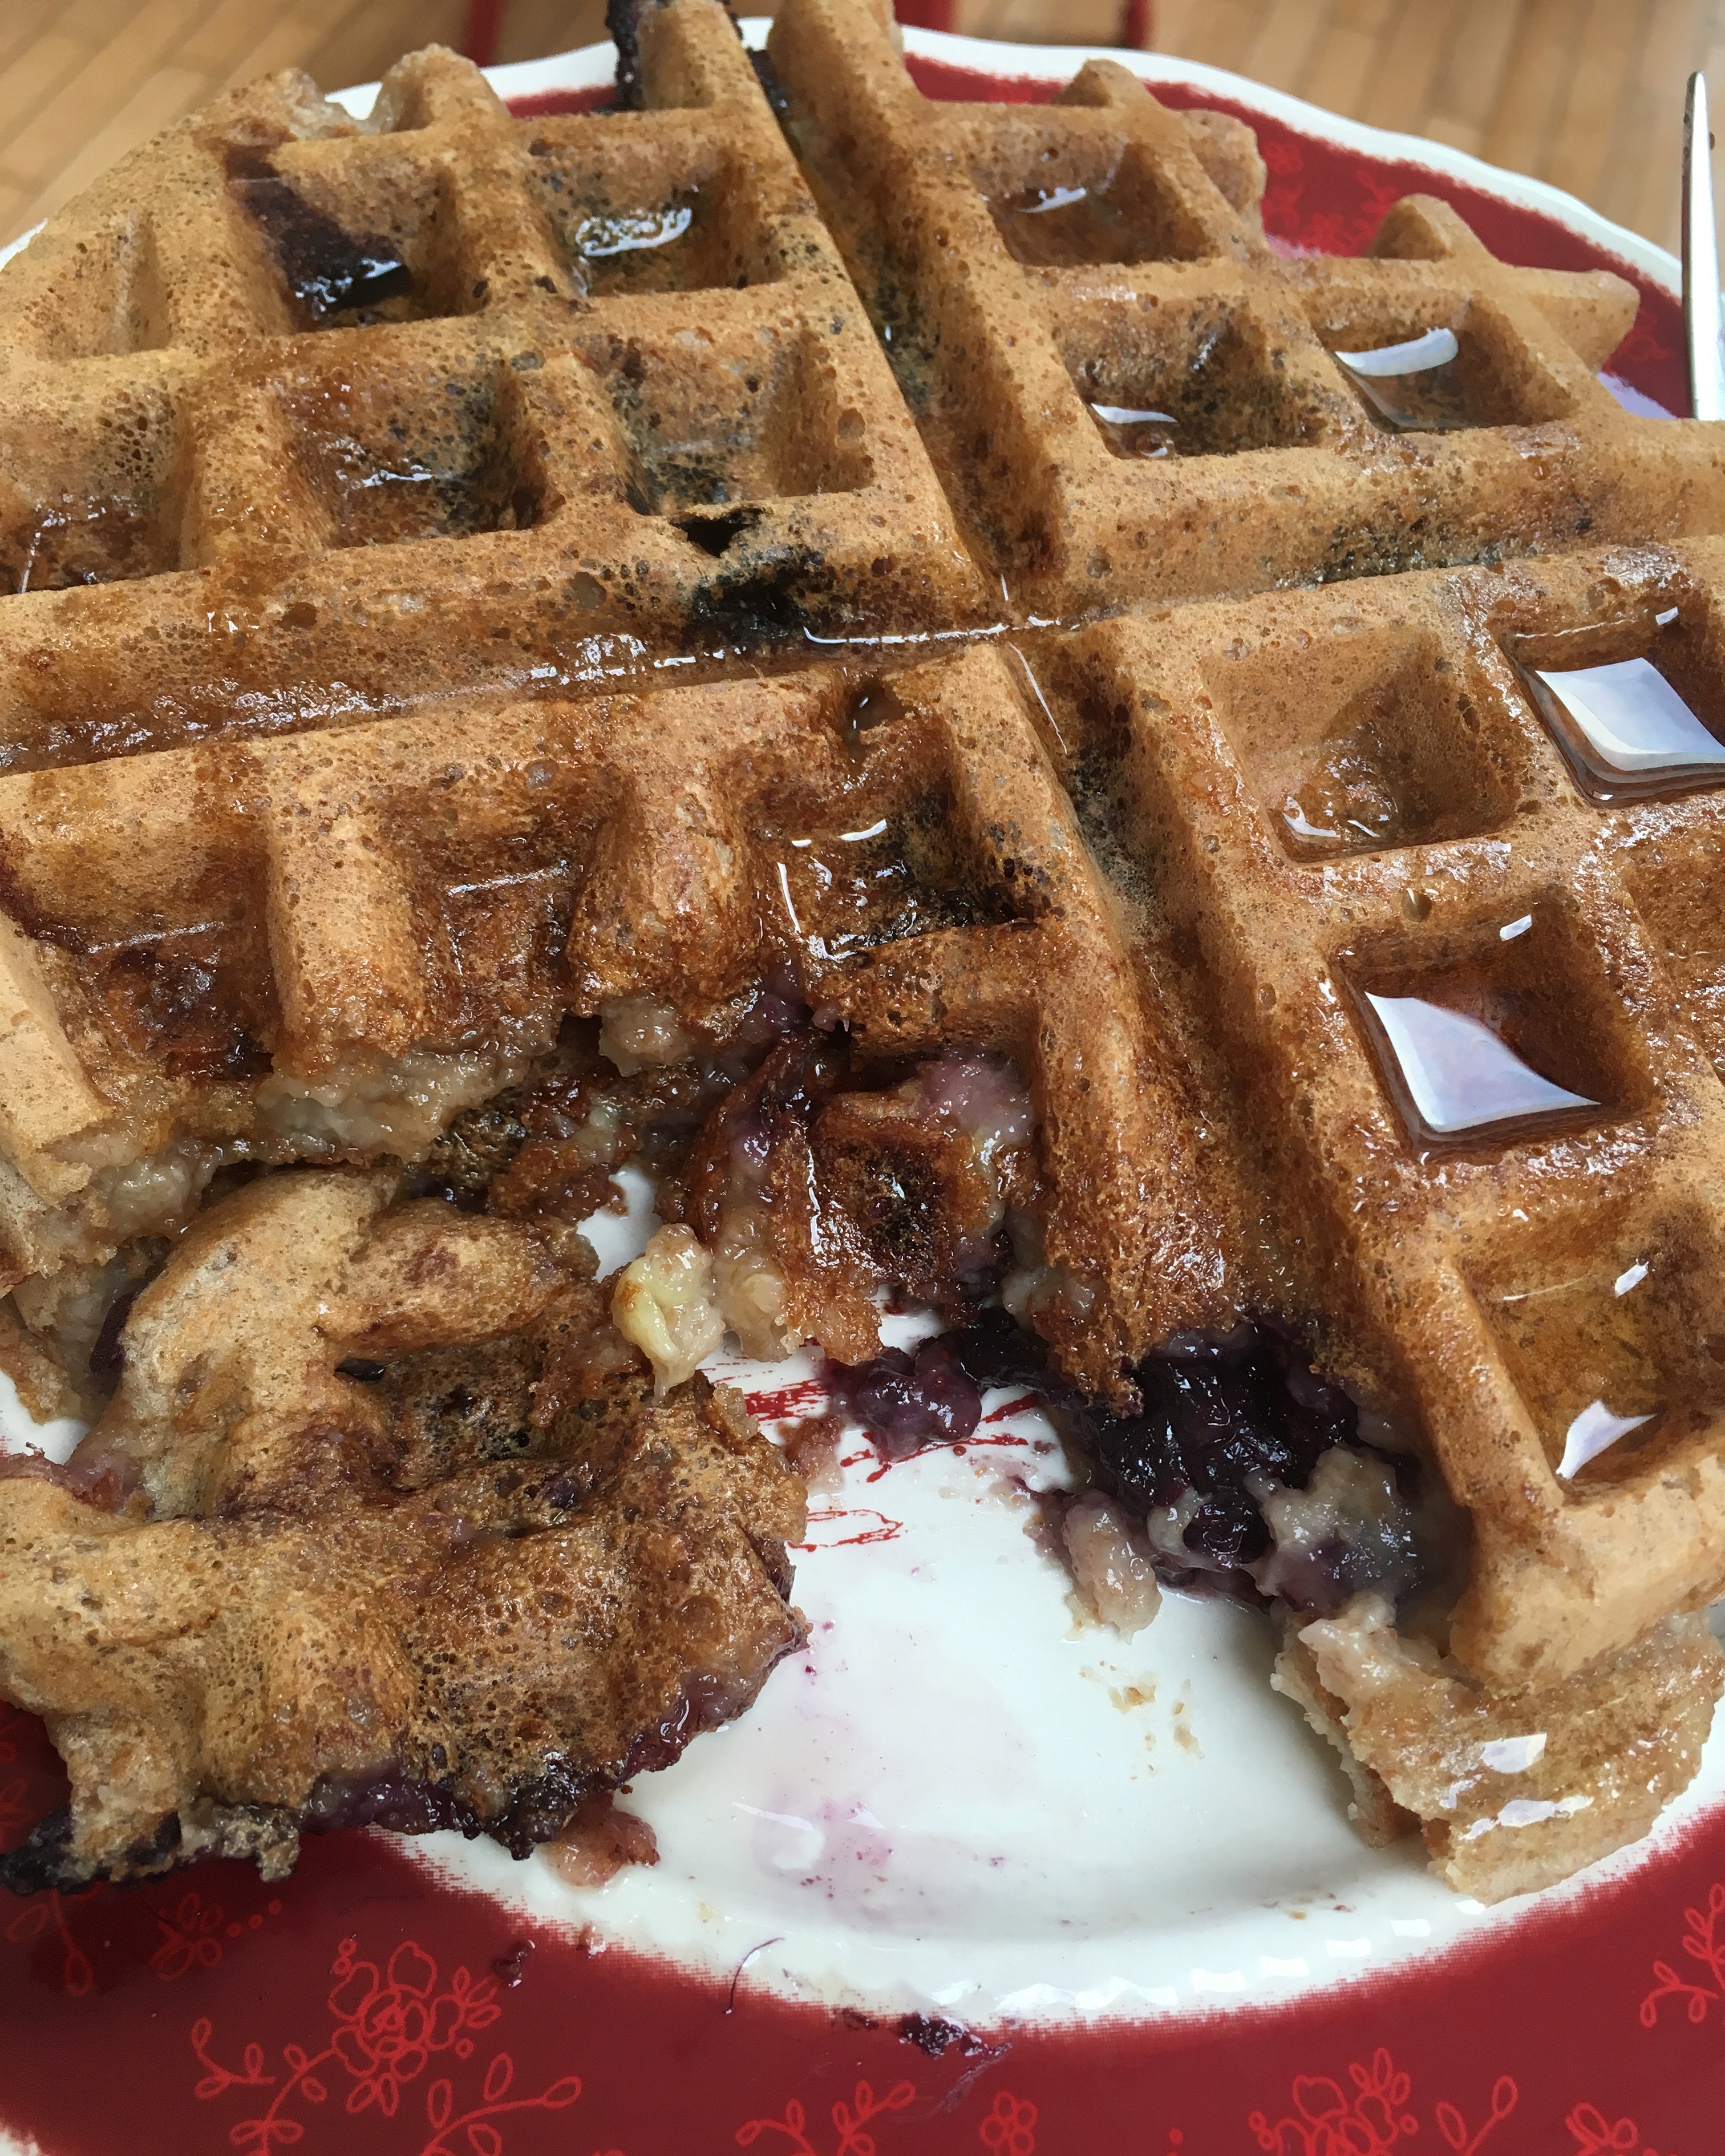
<point x="468" y="571"/>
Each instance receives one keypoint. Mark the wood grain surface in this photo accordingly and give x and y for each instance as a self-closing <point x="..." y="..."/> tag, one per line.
<point x="1587" y="93"/>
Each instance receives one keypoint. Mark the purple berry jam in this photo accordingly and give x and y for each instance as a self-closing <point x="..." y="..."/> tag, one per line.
<point x="907" y="1403"/>
<point x="1218" y="1411"/>
<point x="1226" y="1419"/>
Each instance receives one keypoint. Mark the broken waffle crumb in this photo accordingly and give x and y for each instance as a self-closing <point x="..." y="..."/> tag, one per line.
<point x="1110" y="1566"/>
<point x="323" y="1563"/>
<point x="1512" y="1792"/>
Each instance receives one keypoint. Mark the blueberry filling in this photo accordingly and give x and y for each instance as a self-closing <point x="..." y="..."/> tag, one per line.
<point x="1217" y="1414"/>
<point x="1250" y="1471"/>
<point x="905" y="1403"/>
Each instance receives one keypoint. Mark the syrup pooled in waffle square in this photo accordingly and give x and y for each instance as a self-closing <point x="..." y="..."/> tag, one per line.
<point x="307" y="417"/>
<point x="1133" y="399"/>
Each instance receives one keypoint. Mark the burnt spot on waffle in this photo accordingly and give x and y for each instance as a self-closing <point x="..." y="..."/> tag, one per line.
<point x="328" y="271"/>
<point x="623" y="19"/>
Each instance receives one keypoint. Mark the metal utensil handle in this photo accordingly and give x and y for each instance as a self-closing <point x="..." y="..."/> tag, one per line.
<point x="1701" y="319"/>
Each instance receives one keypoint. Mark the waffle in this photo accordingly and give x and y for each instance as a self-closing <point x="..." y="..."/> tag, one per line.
<point x="1501" y="1284"/>
<point x="385" y="924"/>
<point x="274" y="360"/>
<point x="1481" y="1269"/>
<point x="959" y="842"/>
<point x="1036" y="268"/>
<point x="360" y="1602"/>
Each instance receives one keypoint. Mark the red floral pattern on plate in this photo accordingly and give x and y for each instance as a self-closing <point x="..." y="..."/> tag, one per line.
<point x="286" y="2014"/>
<point x="851" y="2123"/>
<point x="1702" y="1943"/>
<point x="1010" y="2128"/>
<point x="1370" y="2117"/>
<point x="386" y="2028"/>
<point x="1595" y="2137"/>
<point x="343" y="1971"/>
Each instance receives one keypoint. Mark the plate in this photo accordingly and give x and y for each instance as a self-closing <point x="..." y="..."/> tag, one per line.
<point x="973" y="1874"/>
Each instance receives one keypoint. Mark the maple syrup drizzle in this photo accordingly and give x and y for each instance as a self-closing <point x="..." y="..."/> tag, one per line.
<point x="1614" y="1353"/>
<point x="1476" y="1048"/>
<point x="1416" y="386"/>
<point x="1131" y="432"/>
<point x="625" y="231"/>
<point x="1460" y="1075"/>
<point x="1625" y="727"/>
<point x="1049" y="227"/>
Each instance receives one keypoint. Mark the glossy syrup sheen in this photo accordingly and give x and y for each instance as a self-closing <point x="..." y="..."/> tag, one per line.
<point x="1635" y="727"/>
<point x="1416" y="386"/>
<point x="1488" y="1041"/>
<point x="1050" y="226"/>
<point x="1617" y="1351"/>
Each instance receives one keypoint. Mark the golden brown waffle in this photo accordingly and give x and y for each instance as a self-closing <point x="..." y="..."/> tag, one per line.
<point x="348" y="1601"/>
<point x="422" y="522"/>
<point x="1476" y="1276"/>
<point x="324" y="946"/>
<point x="1032" y="263"/>
<point x="335" y="415"/>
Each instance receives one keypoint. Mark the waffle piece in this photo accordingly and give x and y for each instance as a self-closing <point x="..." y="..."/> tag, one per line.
<point x="1184" y="878"/>
<point x="1495" y="1281"/>
<point x="1511" y="1793"/>
<point x="1134" y="399"/>
<point x="323" y="1561"/>
<point x="384" y="922"/>
<point x="337" y="414"/>
<point x="814" y="1196"/>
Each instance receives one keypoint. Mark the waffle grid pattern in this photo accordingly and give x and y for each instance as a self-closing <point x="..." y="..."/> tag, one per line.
<point x="1036" y="262"/>
<point x="621" y="445"/>
<point x="457" y="870"/>
<point x="1487" y="1271"/>
<point x="364" y="886"/>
